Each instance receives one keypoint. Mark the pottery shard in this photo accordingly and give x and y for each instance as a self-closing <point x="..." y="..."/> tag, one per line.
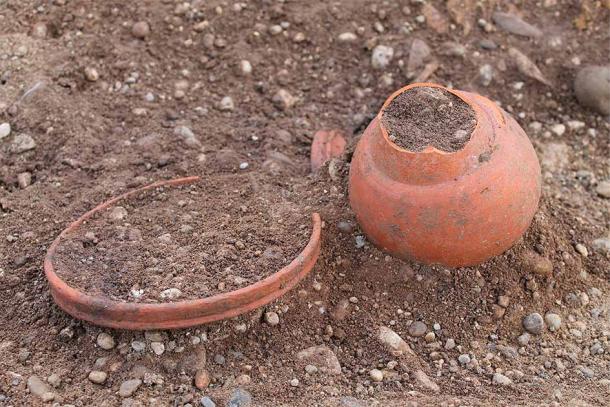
<point x="327" y="144"/>
<point x="322" y="357"/>
<point x="393" y="342"/>
<point x="515" y="25"/>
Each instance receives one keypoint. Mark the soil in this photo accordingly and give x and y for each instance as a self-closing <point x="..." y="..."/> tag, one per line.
<point x="100" y="134"/>
<point x="203" y="239"/>
<point x="426" y="116"/>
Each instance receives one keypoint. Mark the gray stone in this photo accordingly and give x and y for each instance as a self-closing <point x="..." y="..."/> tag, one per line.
<point x="533" y="323"/>
<point x="382" y="56"/>
<point x="170" y="294"/>
<point x="514" y="25"/>
<point x="272" y="318"/>
<point x="22" y="143"/>
<point x="393" y="342"/>
<point x="464" y="359"/>
<point x="509" y="352"/>
<point x="98" y="377"/>
<point x="283" y="100"/>
<point x="592" y="88"/>
<point x="501" y="380"/>
<point x="5" y="130"/>
<point x="205" y="401"/>
<point x="486" y="74"/>
<point x="553" y="321"/>
<point x="188" y="136"/>
<point x="418" y="54"/>
<point x="240" y="398"/>
<point x="129" y="387"/>
<point x="105" y="341"/>
<point x="40" y="389"/>
<point x="138" y="346"/>
<point x="417" y="329"/>
<point x="226" y="104"/>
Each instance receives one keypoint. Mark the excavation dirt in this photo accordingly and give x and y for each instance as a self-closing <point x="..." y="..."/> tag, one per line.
<point x="185" y="242"/>
<point x="426" y="116"/>
<point x="96" y="105"/>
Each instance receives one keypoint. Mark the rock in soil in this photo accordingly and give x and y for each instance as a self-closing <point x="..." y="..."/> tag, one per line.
<point x="322" y="357"/>
<point x="129" y="387"/>
<point x="533" y="323"/>
<point x="515" y="25"/>
<point x="592" y="88"/>
<point x="40" y="389"/>
<point x="98" y="377"/>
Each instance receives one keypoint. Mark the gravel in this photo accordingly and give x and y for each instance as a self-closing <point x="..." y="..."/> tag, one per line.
<point x="464" y="359"/>
<point x="533" y="323"/>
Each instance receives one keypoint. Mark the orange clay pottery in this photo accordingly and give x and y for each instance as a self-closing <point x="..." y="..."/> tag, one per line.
<point x="129" y="315"/>
<point x="450" y="208"/>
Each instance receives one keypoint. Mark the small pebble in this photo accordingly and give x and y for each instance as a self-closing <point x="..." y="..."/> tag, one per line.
<point x="501" y="380"/>
<point x="553" y="321"/>
<point x="533" y="323"/>
<point x="141" y="29"/>
<point x="272" y="318"/>
<point x="464" y="359"/>
<point x="382" y="56"/>
<point x="294" y="383"/>
<point x="5" y="130"/>
<point x="91" y="74"/>
<point x="105" y="341"/>
<point x="226" y="104"/>
<point x="417" y="329"/>
<point x="376" y="375"/>
<point x="205" y="401"/>
<point x="129" y="387"/>
<point x="98" y="377"/>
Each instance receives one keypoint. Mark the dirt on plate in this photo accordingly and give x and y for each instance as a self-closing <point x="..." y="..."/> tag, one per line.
<point x="182" y="243"/>
<point x="426" y="116"/>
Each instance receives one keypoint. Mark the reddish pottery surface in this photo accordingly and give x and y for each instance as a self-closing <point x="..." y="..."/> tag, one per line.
<point x="454" y="209"/>
<point x="326" y="144"/>
<point x="128" y="315"/>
